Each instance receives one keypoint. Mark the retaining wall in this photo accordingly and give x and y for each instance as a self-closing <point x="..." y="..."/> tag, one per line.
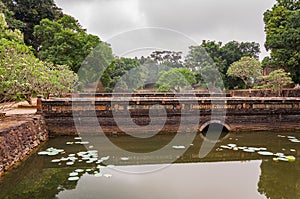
<point x="19" y="137"/>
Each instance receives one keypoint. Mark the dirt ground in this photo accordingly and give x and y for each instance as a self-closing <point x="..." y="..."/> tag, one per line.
<point x="17" y="113"/>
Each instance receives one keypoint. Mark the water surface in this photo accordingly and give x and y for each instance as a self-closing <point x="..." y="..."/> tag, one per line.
<point x="227" y="172"/>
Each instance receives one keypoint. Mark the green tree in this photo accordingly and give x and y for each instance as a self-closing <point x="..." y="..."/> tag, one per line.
<point x="282" y="27"/>
<point x="10" y="18"/>
<point x="22" y="75"/>
<point x="276" y="80"/>
<point x="6" y="33"/>
<point x="211" y="53"/>
<point x="168" y="58"/>
<point x="175" y="79"/>
<point x="31" y="12"/>
<point x="248" y="69"/>
<point x="116" y="74"/>
<point x="64" y="42"/>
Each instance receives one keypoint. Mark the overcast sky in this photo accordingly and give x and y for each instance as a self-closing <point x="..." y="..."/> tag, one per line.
<point x="220" y="20"/>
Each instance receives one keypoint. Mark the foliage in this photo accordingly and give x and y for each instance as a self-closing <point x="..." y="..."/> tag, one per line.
<point x="282" y="27"/>
<point x="248" y="69"/>
<point x="6" y="33"/>
<point x="22" y="75"/>
<point x="276" y="80"/>
<point x="211" y="53"/>
<point x="123" y="73"/>
<point x="10" y="18"/>
<point x="64" y="42"/>
<point x="168" y="58"/>
<point x="175" y="79"/>
<point x="31" y="12"/>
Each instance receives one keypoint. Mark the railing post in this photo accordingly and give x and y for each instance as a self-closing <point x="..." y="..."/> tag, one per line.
<point x="39" y="104"/>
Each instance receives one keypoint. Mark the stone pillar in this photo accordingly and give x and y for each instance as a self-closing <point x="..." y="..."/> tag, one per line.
<point x="39" y="104"/>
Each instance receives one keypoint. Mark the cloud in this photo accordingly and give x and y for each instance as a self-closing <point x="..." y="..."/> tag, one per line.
<point x="224" y="20"/>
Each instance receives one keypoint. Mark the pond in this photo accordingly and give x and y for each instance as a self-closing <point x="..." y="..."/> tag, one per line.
<point x="242" y="165"/>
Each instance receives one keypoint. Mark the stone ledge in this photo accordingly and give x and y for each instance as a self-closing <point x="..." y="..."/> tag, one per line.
<point x="19" y="136"/>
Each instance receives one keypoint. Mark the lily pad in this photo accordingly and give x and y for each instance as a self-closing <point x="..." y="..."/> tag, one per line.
<point x="70" y="143"/>
<point x="55" y="160"/>
<point x="266" y="153"/>
<point x="249" y="150"/>
<point x="73" y="174"/>
<point x="283" y="159"/>
<point x="225" y="147"/>
<point x="290" y="158"/>
<point x="70" y="163"/>
<point x="73" y="178"/>
<point x="295" y="140"/>
<point x="178" y="147"/>
<point x="231" y="145"/>
<point x="43" y="153"/>
<point x="79" y="170"/>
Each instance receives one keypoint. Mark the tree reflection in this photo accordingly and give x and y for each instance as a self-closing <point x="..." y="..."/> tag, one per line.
<point x="280" y="180"/>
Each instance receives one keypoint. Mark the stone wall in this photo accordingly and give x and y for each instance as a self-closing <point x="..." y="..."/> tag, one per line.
<point x="19" y="136"/>
<point x="67" y="116"/>
<point x="264" y="93"/>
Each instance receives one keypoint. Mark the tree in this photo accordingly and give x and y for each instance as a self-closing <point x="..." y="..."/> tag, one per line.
<point x="6" y="33"/>
<point x="276" y="80"/>
<point x="282" y="27"/>
<point x="248" y="69"/>
<point x="10" y="18"/>
<point x="117" y="73"/>
<point x="175" y="79"/>
<point x="168" y="58"/>
<point x="22" y="75"/>
<point x="31" y="12"/>
<point x="64" y="42"/>
<point x="221" y="56"/>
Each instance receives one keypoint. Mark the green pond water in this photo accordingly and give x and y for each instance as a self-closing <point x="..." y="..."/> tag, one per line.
<point x="240" y="166"/>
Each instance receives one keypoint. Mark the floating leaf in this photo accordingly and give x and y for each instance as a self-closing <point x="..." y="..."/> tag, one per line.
<point x="178" y="147"/>
<point x="79" y="170"/>
<point x="70" y="163"/>
<point x="249" y="150"/>
<point x="231" y="145"/>
<point x="73" y="174"/>
<point x="290" y="158"/>
<point x="73" y="178"/>
<point x="266" y="153"/>
<point x="55" y="160"/>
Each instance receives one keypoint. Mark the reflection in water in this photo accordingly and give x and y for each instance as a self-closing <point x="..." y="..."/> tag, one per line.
<point x="194" y="180"/>
<point x="279" y="181"/>
<point x="224" y="173"/>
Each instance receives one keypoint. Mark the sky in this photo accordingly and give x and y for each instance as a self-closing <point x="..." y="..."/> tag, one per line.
<point x="169" y="24"/>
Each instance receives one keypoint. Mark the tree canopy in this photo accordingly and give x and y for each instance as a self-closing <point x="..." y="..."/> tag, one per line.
<point x="212" y="54"/>
<point x="276" y="80"/>
<point x="282" y="27"/>
<point x="65" y="42"/>
<point x="175" y="79"/>
<point x="22" y="75"/>
<point x="248" y="69"/>
<point x="30" y="13"/>
<point x="116" y="74"/>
